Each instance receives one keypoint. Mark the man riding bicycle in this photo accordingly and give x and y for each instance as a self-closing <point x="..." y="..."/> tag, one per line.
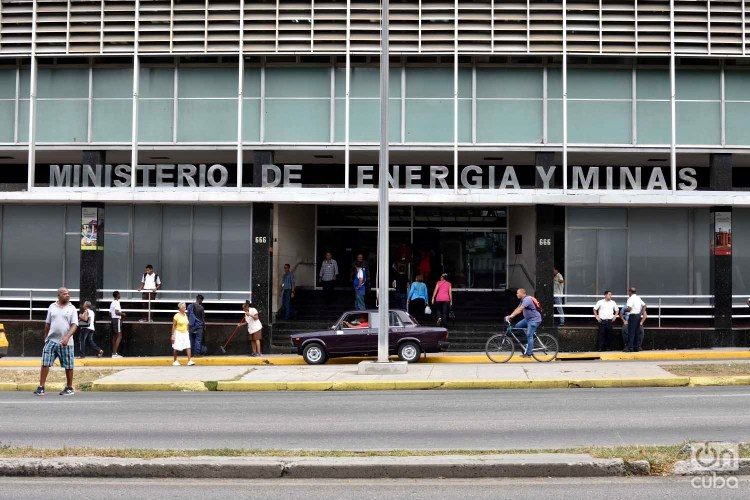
<point x="532" y="318"/>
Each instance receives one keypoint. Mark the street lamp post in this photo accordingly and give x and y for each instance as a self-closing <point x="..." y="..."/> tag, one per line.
<point x="383" y="191"/>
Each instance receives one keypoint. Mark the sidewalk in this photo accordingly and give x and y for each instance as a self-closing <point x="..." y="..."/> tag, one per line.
<point x="448" y="358"/>
<point x="419" y="376"/>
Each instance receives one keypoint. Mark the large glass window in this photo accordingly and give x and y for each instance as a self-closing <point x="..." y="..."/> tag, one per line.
<point x="698" y="107"/>
<point x="653" y="109"/>
<point x="156" y="105"/>
<point x="737" y="109"/>
<point x="298" y="104"/>
<point x="600" y="105"/>
<point x="7" y="104"/>
<point x="429" y="104"/>
<point x="112" y="105"/>
<point x="207" y="104"/>
<point x="509" y="105"/>
<point x="62" y="104"/>
<point x="364" y="104"/>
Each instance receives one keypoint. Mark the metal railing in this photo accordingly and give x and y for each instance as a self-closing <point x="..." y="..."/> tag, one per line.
<point x="741" y="302"/>
<point x="659" y="307"/>
<point x="23" y="303"/>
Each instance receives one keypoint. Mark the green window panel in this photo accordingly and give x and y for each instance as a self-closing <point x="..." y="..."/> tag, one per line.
<point x="464" y="120"/>
<point x="207" y="82"/>
<point x="205" y="120"/>
<point x="298" y="82"/>
<point x="600" y="83"/>
<point x="251" y="82"/>
<point x="429" y="120"/>
<point x="364" y="81"/>
<point x="113" y="82"/>
<point x="652" y="84"/>
<point x="7" y="120"/>
<point x="53" y="83"/>
<point x="24" y="82"/>
<point x="364" y="122"/>
<point x="7" y="83"/>
<point x="156" y="82"/>
<point x="112" y="120"/>
<point x="298" y="120"/>
<point x="653" y="122"/>
<point x="737" y="85"/>
<point x="554" y="121"/>
<point x="599" y="122"/>
<point x="155" y="120"/>
<point x="509" y="121"/>
<point x="698" y="123"/>
<point x="738" y="125"/>
<point x="23" y="120"/>
<point x="698" y="84"/>
<point x="436" y="82"/>
<point x="251" y="120"/>
<point x="62" y="121"/>
<point x="509" y="83"/>
<point x="554" y="83"/>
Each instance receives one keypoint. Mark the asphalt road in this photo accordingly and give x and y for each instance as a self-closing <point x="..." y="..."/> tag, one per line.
<point x="479" y="419"/>
<point x="533" y="489"/>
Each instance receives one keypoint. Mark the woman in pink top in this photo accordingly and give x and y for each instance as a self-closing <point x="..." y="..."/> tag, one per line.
<point x="442" y="298"/>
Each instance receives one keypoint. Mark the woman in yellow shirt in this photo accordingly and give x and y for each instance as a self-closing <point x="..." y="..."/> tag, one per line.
<point x="180" y="335"/>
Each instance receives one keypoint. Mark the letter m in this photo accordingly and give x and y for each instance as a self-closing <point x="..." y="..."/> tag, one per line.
<point x="60" y="176"/>
<point x="589" y="181"/>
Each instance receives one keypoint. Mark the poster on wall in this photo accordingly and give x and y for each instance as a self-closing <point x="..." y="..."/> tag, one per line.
<point x="722" y="233"/>
<point x="91" y="225"/>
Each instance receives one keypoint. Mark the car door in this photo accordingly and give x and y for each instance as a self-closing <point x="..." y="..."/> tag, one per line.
<point x="350" y="340"/>
<point x="395" y="330"/>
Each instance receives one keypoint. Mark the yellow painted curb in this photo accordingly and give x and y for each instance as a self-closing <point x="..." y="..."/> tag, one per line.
<point x="49" y="387"/>
<point x="8" y="386"/>
<point x="724" y="380"/>
<point x="248" y="385"/>
<point x="675" y="355"/>
<point x="309" y="385"/>
<point x="365" y="385"/>
<point x="189" y="385"/>
<point x="629" y="382"/>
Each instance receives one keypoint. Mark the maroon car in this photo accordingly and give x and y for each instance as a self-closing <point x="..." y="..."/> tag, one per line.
<point x="356" y="334"/>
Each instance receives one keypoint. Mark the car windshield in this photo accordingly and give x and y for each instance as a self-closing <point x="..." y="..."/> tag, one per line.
<point x="413" y="320"/>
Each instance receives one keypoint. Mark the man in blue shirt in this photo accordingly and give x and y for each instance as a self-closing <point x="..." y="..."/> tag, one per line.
<point x="532" y="318"/>
<point x="197" y="324"/>
<point x="287" y="291"/>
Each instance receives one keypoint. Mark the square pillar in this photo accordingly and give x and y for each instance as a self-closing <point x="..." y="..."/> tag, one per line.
<point x="545" y="255"/>
<point x="721" y="274"/>
<point x="720" y="171"/>
<point x="92" y="241"/>
<point x="260" y="158"/>
<point x="262" y="241"/>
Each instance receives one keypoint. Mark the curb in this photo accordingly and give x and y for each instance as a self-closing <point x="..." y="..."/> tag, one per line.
<point x="480" y="358"/>
<point x="726" y="380"/>
<point x="688" y="468"/>
<point x="188" y="385"/>
<point x="448" y="466"/>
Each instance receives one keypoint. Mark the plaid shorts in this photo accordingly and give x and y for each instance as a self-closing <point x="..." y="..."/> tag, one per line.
<point x="53" y="350"/>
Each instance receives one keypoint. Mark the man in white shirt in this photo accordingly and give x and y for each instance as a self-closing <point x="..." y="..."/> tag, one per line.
<point x="635" y="308"/>
<point x="605" y="312"/>
<point x="116" y="315"/>
<point x="150" y="283"/>
<point x="558" y="287"/>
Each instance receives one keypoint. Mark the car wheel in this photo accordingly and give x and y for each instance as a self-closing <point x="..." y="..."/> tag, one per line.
<point x="314" y="354"/>
<point x="409" y="352"/>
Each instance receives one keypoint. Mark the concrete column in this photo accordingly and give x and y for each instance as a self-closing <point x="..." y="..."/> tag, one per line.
<point x="262" y="239"/>
<point x="721" y="274"/>
<point x="543" y="159"/>
<point x="92" y="256"/>
<point x="260" y="158"/>
<point x="720" y="168"/>
<point x="545" y="254"/>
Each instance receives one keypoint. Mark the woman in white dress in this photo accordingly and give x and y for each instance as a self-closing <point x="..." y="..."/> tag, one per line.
<point x="181" y="335"/>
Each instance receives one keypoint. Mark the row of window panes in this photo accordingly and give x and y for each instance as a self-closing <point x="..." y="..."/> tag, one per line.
<point x="297" y="105"/>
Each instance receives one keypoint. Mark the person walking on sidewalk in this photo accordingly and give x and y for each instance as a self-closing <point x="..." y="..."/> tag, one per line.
<point x="532" y="318"/>
<point x="116" y="315"/>
<point x="329" y="273"/>
<point x="197" y="317"/>
<point x="254" y="327"/>
<point x="605" y="312"/>
<point x="287" y="291"/>
<point x="359" y="283"/>
<point x="558" y="285"/>
<point x="86" y="327"/>
<point x="417" y="298"/>
<point x="180" y="335"/>
<point x="636" y="309"/>
<point x="442" y="298"/>
<point x="59" y="327"/>
<point x="150" y="283"/>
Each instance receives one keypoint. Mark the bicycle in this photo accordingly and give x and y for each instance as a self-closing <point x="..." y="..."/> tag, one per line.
<point x="500" y="347"/>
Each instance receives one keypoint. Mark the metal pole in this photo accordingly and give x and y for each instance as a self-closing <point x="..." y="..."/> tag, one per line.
<point x="383" y="191"/>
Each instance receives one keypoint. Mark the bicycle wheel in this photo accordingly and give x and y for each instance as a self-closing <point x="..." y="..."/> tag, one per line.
<point x="545" y="348"/>
<point x="499" y="348"/>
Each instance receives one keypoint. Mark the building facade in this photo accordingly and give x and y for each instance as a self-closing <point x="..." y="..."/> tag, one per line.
<point x="220" y="140"/>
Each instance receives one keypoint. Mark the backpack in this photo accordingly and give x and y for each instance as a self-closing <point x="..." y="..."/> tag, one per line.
<point x="536" y="304"/>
